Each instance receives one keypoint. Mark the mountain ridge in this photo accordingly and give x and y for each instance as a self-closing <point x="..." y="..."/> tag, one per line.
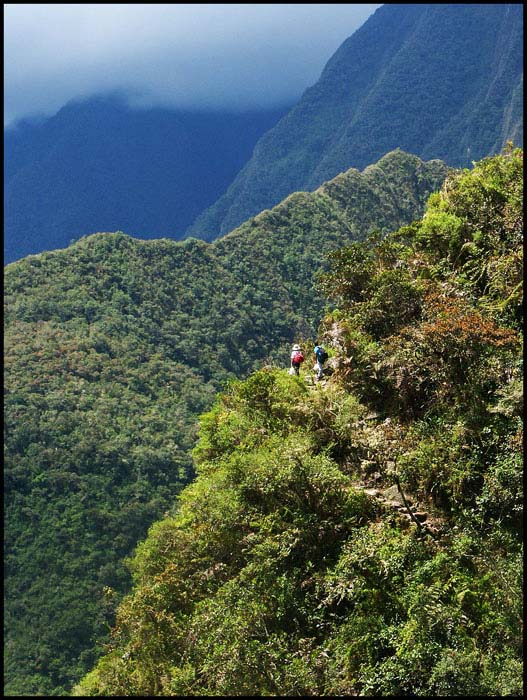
<point x="361" y="535"/>
<point x="440" y="81"/>
<point x="132" y="339"/>
<point x="98" y="164"/>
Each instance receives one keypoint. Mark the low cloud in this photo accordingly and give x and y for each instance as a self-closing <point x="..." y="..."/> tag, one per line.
<point x="184" y="55"/>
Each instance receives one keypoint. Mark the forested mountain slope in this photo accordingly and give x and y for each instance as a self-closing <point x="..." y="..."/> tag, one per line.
<point x="113" y="347"/>
<point x="438" y="80"/>
<point x="286" y="568"/>
<point x="98" y="165"/>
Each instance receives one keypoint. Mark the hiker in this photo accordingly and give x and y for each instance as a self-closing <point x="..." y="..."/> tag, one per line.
<point x="320" y="357"/>
<point x="296" y="359"/>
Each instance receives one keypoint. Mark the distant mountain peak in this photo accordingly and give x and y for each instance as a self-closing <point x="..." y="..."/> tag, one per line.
<point x="441" y="81"/>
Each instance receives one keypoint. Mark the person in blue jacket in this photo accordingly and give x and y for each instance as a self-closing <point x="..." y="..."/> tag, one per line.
<point x="320" y="357"/>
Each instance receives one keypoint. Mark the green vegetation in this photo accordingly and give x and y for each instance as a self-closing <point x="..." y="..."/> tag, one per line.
<point x="150" y="171"/>
<point x="437" y="80"/>
<point x="286" y="568"/>
<point x="113" y="348"/>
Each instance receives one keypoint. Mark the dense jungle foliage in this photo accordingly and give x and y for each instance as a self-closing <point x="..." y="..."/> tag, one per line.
<point x="113" y="348"/>
<point x="285" y="568"/>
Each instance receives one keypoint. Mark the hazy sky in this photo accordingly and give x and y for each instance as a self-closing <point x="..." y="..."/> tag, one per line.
<point x="237" y="55"/>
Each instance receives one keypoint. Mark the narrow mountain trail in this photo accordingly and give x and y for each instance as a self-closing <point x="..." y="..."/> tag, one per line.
<point x="404" y="508"/>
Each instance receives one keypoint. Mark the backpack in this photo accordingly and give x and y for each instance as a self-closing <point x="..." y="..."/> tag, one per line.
<point x="321" y="354"/>
<point x="297" y="357"/>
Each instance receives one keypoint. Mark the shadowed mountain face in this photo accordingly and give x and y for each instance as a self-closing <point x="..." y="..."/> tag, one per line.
<point x="100" y="166"/>
<point x="441" y="81"/>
